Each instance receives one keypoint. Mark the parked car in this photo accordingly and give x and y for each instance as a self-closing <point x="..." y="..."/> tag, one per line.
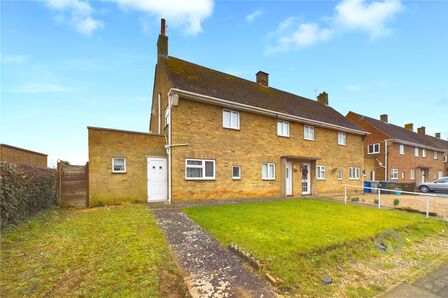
<point x="440" y="184"/>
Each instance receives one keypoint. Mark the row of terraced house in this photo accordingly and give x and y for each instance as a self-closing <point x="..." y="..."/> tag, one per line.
<point x="217" y="136"/>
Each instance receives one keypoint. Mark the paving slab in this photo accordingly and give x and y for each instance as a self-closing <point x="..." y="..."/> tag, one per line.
<point x="210" y="269"/>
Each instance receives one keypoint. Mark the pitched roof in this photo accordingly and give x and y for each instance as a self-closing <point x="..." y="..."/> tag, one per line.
<point x="404" y="134"/>
<point x="202" y="80"/>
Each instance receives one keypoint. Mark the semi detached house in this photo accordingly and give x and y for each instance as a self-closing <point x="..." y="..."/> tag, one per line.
<point x="216" y="136"/>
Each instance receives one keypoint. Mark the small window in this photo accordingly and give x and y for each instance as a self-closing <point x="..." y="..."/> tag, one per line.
<point x="412" y="175"/>
<point x="423" y="152"/>
<point x="119" y="165"/>
<point x="340" y="174"/>
<point x="416" y="151"/>
<point x="283" y="128"/>
<point x="373" y="148"/>
<point x="167" y="116"/>
<point x="308" y="132"/>
<point x="394" y="174"/>
<point x="435" y="154"/>
<point x="401" y="149"/>
<point x="230" y="119"/>
<point x="440" y="175"/>
<point x="354" y="173"/>
<point x="342" y="138"/>
<point x="445" y="157"/>
<point x="320" y="172"/>
<point x="268" y="171"/>
<point x="199" y="169"/>
<point x="236" y="172"/>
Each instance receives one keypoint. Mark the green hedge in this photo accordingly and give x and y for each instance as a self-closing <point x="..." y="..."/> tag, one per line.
<point x="24" y="192"/>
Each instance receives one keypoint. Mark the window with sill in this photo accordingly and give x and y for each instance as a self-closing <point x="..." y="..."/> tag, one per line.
<point x="119" y="165"/>
<point x="354" y="173"/>
<point x="423" y="152"/>
<point x="401" y="149"/>
<point x="394" y="174"/>
<point x="199" y="169"/>
<point x="373" y="148"/>
<point x="230" y="119"/>
<point x="340" y="174"/>
<point x="320" y="172"/>
<point x="308" y="132"/>
<point x="268" y="171"/>
<point x="342" y="138"/>
<point x="283" y="128"/>
<point x="236" y="172"/>
<point x="412" y="174"/>
<point x="416" y="151"/>
<point x="435" y="154"/>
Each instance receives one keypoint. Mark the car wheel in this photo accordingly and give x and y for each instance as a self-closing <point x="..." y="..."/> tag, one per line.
<point x="424" y="188"/>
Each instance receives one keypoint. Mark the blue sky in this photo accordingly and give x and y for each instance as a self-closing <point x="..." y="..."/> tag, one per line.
<point x="66" y="65"/>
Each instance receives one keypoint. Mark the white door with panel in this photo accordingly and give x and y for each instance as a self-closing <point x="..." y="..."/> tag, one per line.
<point x="288" y="180"/>
<point x="157" y="177"/>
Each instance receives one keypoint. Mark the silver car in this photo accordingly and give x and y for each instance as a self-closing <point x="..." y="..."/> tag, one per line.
<point x="440" y="184"/>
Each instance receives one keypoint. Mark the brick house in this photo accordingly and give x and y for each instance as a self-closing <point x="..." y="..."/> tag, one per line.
<point x="394" y="153"/>
<point x="22" y="156"/>
<point x="217" y="136"/>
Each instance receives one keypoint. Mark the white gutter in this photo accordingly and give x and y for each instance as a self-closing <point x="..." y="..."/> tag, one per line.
<point x="245" y="107"/>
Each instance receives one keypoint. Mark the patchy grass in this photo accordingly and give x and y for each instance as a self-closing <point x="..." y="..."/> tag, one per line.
<point x="302" y="241"/>
<point x="100" y="252"/>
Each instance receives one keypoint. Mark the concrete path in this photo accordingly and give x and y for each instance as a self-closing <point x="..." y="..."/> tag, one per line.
<point x="212" y="271"/>
<point x="433" y="285"/>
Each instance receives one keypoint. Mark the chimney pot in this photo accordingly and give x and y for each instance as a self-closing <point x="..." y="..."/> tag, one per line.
<point x="262" y="78"/>
<point x="421" y="130"/>
<point x="162" y="27"/>
<point x="162" y="42"/>
<point x="384" y="118"/>
<point x="409" y="126"/>
<point x="438" y="135"/>
<point x="322" y="98"/>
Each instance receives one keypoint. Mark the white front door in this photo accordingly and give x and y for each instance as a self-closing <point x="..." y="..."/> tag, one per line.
<point x="157" y="187"/>
<point x="288" y="177"/>
<point x="306" y="181"/>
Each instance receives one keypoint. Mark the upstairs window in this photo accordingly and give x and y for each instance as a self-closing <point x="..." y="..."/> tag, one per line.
<point x="283" y="128"/>
<point x="423" y="152"/>
<point x="230" y="119"/>
<point x="320" y="172"/>
<point x="308" y="132"/>
<point x="401" y="149"/>
<point x="342" y="138"/>
<point x="435" y="154"/>
<point x="199" y="169"/>
<point x="119" y="165"/>
<point x="394" y="174"/>
<point x="268" y="171"/>
<point x="416" y="151"/>
<point x="373" y="148"/>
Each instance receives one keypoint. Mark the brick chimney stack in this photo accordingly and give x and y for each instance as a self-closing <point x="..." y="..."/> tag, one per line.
<point x="409" y="126"/>
<point x="421" y="130"/>
<point x="323" y="98"/>
<point x="262" y="78"/>
<point x="384" y="118"/>
<point x="438" y="135"/>
<point x="162" y="42"/>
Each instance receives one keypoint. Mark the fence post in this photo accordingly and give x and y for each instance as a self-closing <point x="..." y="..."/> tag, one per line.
<point x="427" y="206"/>
<point x="345" y="194"/>
<point x="379" y="198"/>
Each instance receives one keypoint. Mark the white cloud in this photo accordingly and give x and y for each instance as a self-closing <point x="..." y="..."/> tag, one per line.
<point x="12" y="58"/>
<point x="188" y="15"/>
<point x="349" y="15"/>
<point x="353" y="87"/>
<point x="252" y="16"/>
<point x="38" y="88"/>
<point x="79" y="15"/>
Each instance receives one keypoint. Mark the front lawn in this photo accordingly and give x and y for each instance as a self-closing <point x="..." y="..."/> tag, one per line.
<point x="100" y="252"/>
<point x="302" y="241"/>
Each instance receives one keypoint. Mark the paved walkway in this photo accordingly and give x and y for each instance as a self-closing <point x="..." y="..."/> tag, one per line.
<point x="433" y="285"/>
<point x="212" y="271"/>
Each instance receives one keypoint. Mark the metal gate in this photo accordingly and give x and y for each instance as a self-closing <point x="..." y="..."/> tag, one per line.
<point x="72" y="185"/>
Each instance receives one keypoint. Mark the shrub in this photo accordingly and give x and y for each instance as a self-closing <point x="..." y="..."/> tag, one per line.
<point x="375" y="201"/>
<point x="98" y="204"/>
<point x="25" y="191"/>
<point x="354" y="199"/>
<point x="396" y="202"/>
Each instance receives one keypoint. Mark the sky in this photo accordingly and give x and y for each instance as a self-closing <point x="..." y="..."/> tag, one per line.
<point x="66" y="65"/>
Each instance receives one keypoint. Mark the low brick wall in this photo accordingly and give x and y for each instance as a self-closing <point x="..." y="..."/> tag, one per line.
<point x="25" y="191"/>
<point x="22" y="156"/>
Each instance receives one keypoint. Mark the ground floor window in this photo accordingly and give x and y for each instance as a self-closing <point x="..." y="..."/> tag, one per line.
<point x="320" y="172"/>
<point x="236" y="172"/>
<point x="440" y="175"/>
<point x="199" y="169"/>
<point x="412" y="174"/>
<point x="340" y="174"/>
<point x="354" y="173"/>
<point x="394" y="174"/>
<point x="268" y="171"/>
<point x="119" y="165"/>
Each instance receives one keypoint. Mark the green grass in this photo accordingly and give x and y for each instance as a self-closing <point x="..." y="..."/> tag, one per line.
<point x="301" y="241"/>
<point x="100" y="252"/>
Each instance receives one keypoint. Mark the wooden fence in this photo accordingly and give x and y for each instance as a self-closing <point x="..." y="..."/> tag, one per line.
<point x="72" y="185"/>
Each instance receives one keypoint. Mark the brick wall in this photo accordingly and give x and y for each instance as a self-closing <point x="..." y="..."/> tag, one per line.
<point x="105" y="144"/>
<point x="200" y="126"/>
<point x="22" y="156"/>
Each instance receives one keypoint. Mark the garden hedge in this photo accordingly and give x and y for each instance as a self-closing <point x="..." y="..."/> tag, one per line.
<point x="24" y="191"/>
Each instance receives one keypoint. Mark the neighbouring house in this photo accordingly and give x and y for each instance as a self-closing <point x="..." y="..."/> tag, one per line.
<point x="21" y="156"/>
<point x="217" y="136"/>
<point x="444" y="144"/>
<point x="395" y="153"/>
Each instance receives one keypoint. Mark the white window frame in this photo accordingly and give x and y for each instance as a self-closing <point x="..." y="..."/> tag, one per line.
<point x="373" y="151"/>
<point x="167" y="116"/>
<point x="281" y="125"/>
<point x="320" y="172"/>
<point x="403" y="175"/>
<point x="439" y="174"/>
<point x="235" y="126"/>
<point x="239" y="173"/>
<point x="423" y="152"/>
<point x="309" y="133"/>
<point x="340" y="174"/>
<point x="113" y="165"/>
<point x="416" y="151"/>
<point x="342" y="138"/>
<point x="445" y="157"/>
<point x="393" y="174"/>
<point x="435" y="155"/>
<point x="412" y="174"/>
<point x="401" y="149"/>
<point x="202" y="166"/>
<point x="354" y="173"/>
<point x="269" y="165"/>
